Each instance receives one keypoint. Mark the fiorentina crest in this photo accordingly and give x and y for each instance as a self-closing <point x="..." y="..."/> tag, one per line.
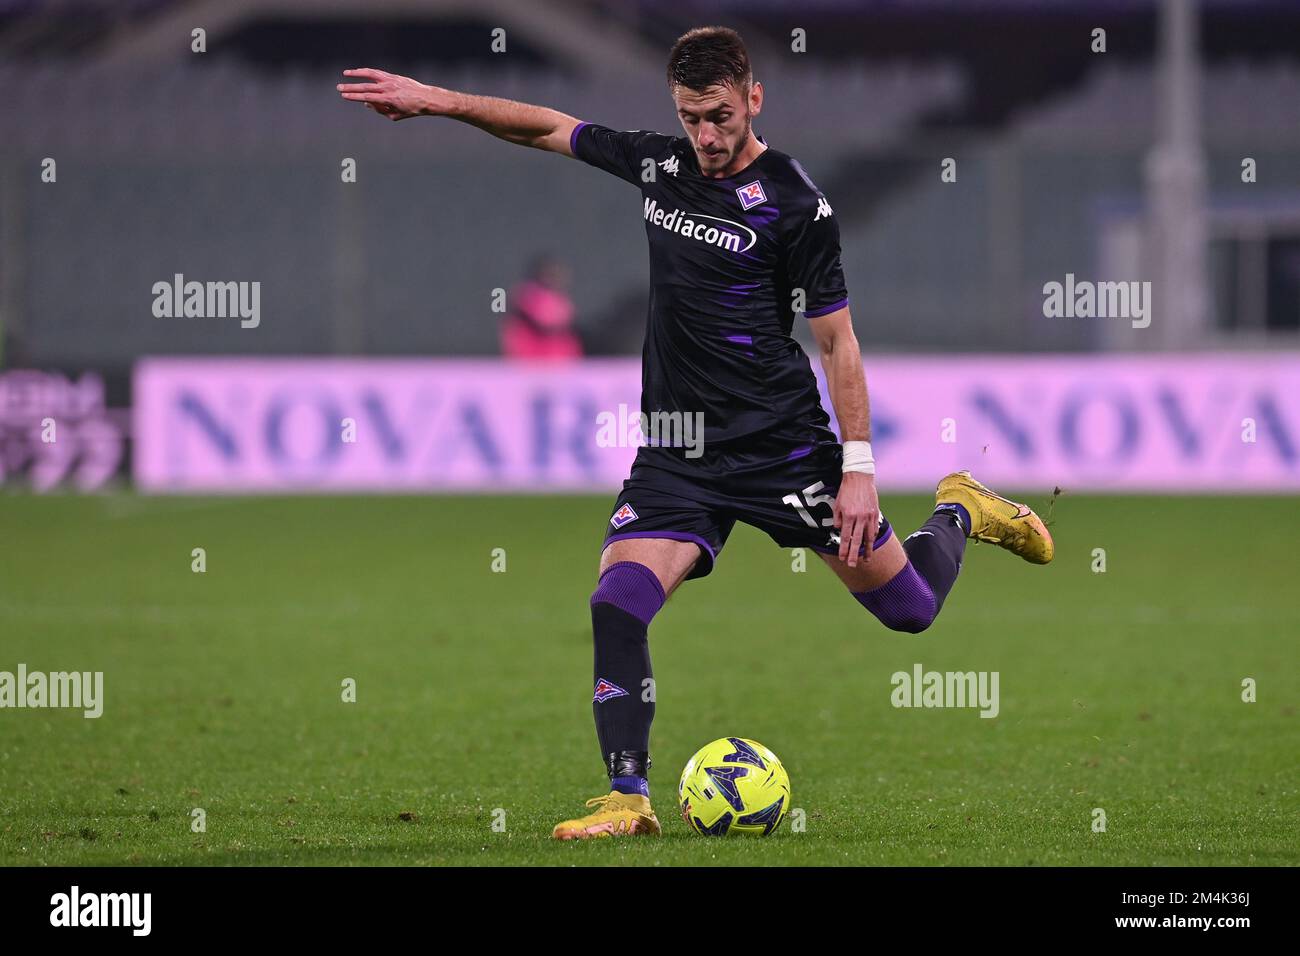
<point x="605" y="690"/>
<point x="622" y="516"/>
<point x="751" y="195"/>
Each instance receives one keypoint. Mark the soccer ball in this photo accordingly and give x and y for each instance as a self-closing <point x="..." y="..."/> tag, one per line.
<point x="734" y="785"/>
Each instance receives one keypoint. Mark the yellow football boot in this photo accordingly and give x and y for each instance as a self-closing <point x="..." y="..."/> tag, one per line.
<point x="997" y="520"/>
<point x="619" y="814"/>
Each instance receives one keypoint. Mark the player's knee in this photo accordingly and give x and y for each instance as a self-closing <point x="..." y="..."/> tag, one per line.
<point x="904" y="603"/>
<point x="630" y="587"/>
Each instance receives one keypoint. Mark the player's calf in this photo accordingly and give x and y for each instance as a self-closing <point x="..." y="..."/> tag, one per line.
<point x="626" y="599"/>
<point x="905" y="603"/>
<point x="904" y="585"/>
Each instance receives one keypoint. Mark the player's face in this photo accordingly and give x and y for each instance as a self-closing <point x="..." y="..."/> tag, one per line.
<point x="717" y="121"/>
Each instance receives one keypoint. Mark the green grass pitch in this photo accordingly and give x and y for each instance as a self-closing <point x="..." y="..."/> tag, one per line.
<point x="1119" y="690"/>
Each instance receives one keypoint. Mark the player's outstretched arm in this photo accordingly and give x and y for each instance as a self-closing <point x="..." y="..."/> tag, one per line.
<point x="400" y="97"/>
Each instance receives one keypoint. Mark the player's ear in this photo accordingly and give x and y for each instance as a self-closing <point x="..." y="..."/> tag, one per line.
<point x="756" y="97"/>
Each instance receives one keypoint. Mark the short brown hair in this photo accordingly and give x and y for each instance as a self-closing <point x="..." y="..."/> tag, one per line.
<point x="709" y="56"/>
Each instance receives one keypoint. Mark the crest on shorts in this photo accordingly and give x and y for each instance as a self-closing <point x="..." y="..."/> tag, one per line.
<point x="751" y="195"/>
<point x="605" y="690"/>
<point x="622" y="516"/>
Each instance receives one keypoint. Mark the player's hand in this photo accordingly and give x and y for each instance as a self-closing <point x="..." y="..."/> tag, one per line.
<point x="397" y="97"/>
<point x="857" y="515"/>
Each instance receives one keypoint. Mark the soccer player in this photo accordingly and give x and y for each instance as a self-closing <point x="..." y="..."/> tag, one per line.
<point x="741" y="240"/>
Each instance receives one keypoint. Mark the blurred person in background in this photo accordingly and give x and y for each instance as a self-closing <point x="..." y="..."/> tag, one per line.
<point x="539" y="319"/>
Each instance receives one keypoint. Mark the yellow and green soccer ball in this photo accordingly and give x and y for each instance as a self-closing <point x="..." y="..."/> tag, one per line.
<point x="734" y="785"/>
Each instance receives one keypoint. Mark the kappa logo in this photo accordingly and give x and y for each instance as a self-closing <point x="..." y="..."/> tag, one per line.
<point x="751" y="195"/>
<point x="607" y="691"/>
<point x="622" y="516"/>
<point x="669" y="165"/>
<point x="823" y="209"/>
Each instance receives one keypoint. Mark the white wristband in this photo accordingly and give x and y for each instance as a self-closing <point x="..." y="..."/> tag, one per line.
<point x="857" y="457"/>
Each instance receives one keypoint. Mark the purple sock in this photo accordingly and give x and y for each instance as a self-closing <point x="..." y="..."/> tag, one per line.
<point x="622" y="606"/>
<point x="935" y="549"/>
<point x="630" y="587"/>
<point x="912" y="599"/>
<point x="904" y="603"/>
<point x="630" y="785"/>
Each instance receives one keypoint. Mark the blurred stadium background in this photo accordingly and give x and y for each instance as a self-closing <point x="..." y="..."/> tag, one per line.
<point x="1173" y="157"/>
<point x="225" y="165"/>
